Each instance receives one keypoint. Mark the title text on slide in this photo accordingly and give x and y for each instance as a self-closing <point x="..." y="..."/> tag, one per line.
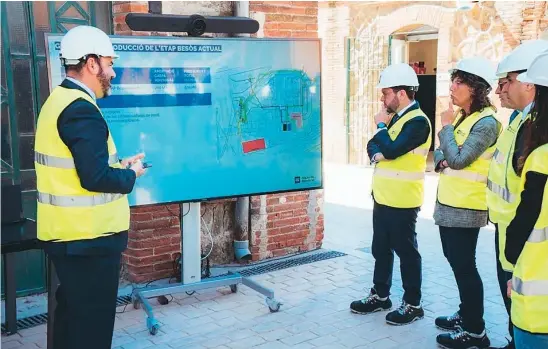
<point x="161" y="48"/>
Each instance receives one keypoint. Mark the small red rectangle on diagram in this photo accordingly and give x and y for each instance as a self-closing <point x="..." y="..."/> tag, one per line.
<point x="254" y="145"/>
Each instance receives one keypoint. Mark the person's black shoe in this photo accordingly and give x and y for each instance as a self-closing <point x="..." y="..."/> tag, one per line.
<point x="370" y="304"/>
<point x="405" y="314"/>
<point x="463" y="340"/>
<point x="449" y="323"/>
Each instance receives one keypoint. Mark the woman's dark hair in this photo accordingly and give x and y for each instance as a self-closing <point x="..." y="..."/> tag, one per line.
<point x="536" y="128"/>
<point x="480" y="90"/>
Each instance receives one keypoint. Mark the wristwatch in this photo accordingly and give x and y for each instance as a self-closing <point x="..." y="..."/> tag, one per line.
<point x="381" y="125"/>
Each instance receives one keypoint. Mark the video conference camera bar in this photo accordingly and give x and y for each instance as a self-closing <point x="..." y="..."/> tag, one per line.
<point x="194" y="25"/>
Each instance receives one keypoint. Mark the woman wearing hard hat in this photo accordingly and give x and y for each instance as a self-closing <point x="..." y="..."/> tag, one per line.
<point x="467" y="143"/>
<point x="527" y="234"/>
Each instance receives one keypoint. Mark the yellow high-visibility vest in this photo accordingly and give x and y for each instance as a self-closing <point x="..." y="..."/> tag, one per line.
<point x="503" y="185"/>
<point x="467" y="188"/>
<point x="530" y="276"/>
<point x="65" y="210"/>
<point x="400" y="182"/>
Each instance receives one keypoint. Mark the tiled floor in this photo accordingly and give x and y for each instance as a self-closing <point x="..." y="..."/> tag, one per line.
<point x="316" y="296"/>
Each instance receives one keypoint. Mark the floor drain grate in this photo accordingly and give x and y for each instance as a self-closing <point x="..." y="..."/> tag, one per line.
<point x="123" y="300"/>
<point x="265" y="267"/>
<point x="288" y="263"/>
<point x="41" y="319"/>
<point x="29" y="322"/>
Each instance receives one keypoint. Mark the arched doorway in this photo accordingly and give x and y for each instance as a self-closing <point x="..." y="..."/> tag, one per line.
<point x="417" y="45"/>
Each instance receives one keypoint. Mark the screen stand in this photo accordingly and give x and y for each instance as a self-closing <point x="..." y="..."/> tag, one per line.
<point x="191" y="271"/>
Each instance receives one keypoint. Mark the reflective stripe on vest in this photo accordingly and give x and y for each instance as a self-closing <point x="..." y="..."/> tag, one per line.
<point x="54" y="161"/>
<point x="501" y="192"/>
<point x="471" y="176"/>
<point x="385" y="172"/>
<point x="538" y="235"/>
<point x="530" y="288"/>
<point x="77" y="201"/>
<point x="499" y="157"/>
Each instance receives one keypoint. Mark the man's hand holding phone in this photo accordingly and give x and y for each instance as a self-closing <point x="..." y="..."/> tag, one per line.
<point x="126" y="163"/>
<point x="138" y="167"/>
<point x="135" y="163"/>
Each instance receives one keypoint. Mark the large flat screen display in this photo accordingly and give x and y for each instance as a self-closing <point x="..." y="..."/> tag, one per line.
<point x="215" y="117"/>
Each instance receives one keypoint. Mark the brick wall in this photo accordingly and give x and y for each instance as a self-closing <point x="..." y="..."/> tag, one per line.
<point x="280" y="224"/>
<point x="291" y="222"/>
<point x="535" y="19"/>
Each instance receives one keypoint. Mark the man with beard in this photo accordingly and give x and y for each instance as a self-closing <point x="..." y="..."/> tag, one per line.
<point x="399" y="149"/>
<point x="82" y="208"/>
<point x="503" y="179"/>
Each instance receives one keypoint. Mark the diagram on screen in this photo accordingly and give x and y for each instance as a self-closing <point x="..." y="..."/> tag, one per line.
<point x="268" y="110"/>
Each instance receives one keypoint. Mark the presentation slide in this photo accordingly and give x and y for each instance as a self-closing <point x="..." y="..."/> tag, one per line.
<point x="215" y="117"/>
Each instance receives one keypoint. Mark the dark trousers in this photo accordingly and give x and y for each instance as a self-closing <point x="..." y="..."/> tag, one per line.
<point x="459" y="247"/>
<point x="503" y="277"/>
<point x="86" y="300"/>
<point x="394" y="230"/>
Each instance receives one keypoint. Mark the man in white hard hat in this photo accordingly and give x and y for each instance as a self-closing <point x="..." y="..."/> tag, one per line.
<point x="82" y="208"/>
<point x="399" y="149"/>
<point x="503" y="180"/>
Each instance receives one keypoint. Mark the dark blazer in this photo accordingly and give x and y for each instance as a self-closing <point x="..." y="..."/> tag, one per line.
<point x="414" y="133"/>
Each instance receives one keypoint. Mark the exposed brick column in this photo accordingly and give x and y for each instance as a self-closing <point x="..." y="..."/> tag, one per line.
<point x="119" y="11"/>
<point x="290" y="222"/>
<point x="534" y="19"/>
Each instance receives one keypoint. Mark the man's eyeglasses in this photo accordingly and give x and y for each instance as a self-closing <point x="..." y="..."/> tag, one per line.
<point x="502" y="83"/>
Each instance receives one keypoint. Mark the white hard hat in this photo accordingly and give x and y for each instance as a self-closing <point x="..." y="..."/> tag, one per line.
<point x="521" y="57"/>
<point x="399" y="74"/>
<point x="537" y="73"/>
<point x="84" y="40"/>
<point x="478" y="66"/>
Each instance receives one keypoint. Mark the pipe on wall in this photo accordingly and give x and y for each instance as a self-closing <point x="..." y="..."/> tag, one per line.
<point x="242" y="217"/>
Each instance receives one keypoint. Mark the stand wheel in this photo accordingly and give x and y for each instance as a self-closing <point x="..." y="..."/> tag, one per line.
<point x="136" y="303"/>
<point x="154" y="330"/>
<point x="163" y="300"/>
<point x="234" y="288"/>
<point x="273" y="305"/>
<point x="153" y="326"/>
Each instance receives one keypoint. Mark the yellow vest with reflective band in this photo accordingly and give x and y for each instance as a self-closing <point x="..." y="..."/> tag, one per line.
<point x="467" y="188"/>
<point x="400" y="182"/>
<point x="530" y="276"/>
<point x="503" y="185"/>
<point x="65" y="210"/>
